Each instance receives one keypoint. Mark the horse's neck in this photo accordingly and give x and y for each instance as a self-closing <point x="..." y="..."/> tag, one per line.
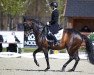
<point x="37" y="32"/>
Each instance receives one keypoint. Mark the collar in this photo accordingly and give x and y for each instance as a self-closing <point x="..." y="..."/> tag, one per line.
<point x="54" y="9"/>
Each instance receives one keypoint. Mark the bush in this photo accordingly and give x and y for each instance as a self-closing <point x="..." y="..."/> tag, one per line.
<point x="91" y="36"/>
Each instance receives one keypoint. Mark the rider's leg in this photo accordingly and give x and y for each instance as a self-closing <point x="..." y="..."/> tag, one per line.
<point x="54" y="38"/>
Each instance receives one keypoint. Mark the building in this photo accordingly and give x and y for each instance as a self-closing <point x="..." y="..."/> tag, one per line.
<point x="79" y="13"/>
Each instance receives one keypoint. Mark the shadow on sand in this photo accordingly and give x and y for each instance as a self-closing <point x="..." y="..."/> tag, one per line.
<point x="37" y="70"/>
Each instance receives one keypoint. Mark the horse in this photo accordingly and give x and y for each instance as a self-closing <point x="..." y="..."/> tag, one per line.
<point x="71" y="40"/>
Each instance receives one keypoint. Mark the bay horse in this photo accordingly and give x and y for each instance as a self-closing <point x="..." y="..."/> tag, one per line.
<point x="71" y="40"/>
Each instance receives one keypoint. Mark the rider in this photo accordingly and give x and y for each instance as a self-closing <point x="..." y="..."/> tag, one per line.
<point x="53" y="24"/>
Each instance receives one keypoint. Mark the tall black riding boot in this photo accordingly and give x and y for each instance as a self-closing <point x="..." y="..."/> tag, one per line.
<point x="54" y="38"/>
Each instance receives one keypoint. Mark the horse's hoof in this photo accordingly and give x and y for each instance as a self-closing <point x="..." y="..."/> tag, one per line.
<point x="36" y="63"/>
<point x="63" y="70"/>
<point x="71" y="70"/>
<point x="47" y="69"/>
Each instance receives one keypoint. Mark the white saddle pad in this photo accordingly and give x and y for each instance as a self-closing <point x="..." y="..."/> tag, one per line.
<point x="59" y="34"/>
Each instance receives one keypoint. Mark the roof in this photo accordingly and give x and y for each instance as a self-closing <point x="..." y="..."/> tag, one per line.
<point x="79" y="8"/>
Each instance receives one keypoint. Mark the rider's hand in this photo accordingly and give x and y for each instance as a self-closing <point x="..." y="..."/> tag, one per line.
<point x="47" y="23"/>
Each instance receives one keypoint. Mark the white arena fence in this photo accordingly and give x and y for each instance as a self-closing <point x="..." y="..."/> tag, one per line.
<point x="10" y="37"/>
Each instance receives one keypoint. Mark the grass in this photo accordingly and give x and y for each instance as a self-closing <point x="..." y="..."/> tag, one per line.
<point x="27" y="50"/>
<point x="23" y="49"/>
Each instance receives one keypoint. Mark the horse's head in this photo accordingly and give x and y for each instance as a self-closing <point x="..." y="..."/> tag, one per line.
<point x="28" y="23"/>
<point x="36" y="25"/>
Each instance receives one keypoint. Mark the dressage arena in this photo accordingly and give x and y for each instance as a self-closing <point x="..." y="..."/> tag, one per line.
<point x="25" y="66"/>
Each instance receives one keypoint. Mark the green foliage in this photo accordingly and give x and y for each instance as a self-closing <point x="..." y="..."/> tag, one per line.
<point x="61" y="6"/>
<point x="82" y="49"/>
<point x="13" y="7"/>
<point x="91" y="36"/>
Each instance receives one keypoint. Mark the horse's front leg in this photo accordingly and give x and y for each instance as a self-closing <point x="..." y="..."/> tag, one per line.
<point x="47" y="58"/>
<point x="34" y="56"/>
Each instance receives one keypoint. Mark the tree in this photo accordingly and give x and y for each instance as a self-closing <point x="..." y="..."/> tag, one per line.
<point x="61" y="6"/>
<point x="36" y="8"/>
<point x="1" y="18"/>
<point x="13" y="8"/>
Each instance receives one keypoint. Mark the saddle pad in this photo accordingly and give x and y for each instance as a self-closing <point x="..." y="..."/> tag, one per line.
<point x="59" y="34"/>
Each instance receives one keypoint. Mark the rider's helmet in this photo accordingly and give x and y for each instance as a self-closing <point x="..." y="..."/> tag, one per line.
<point x="54" y="4"/>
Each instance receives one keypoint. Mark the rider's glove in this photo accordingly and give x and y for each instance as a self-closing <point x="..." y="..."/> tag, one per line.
<point x="47" y="23"/>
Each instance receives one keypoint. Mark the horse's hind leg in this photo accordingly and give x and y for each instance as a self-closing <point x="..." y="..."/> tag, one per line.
<point x="73" y="55"/>
<point x="76" y="57"/>
<point x="70" y="59"/>
<point x="34" y="56"/>
<point x="64" y="66"/>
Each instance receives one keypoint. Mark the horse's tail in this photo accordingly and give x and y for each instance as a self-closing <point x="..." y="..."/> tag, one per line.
<point x="89" y="49"/>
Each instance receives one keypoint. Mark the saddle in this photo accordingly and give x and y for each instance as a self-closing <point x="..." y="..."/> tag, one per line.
<point x="52" y="39"/>
<point x="58" y="36"/>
